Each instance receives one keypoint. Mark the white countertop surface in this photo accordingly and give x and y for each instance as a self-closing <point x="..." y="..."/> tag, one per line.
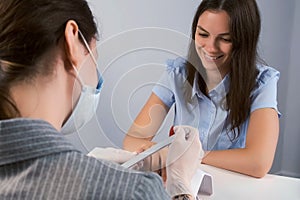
<point x="231" y="185"/>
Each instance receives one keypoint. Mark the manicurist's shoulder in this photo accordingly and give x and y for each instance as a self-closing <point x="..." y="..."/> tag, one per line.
<point x="106" y="180"/>
<point x="129" y="184"/>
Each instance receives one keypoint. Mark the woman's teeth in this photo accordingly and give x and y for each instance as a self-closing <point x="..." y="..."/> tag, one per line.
<point x="213" y="57"/>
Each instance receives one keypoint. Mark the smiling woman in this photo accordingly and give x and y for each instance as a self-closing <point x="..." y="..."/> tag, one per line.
<point x="223" y="88"/>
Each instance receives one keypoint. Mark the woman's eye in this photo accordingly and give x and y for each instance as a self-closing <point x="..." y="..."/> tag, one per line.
<point x="203" y="35"/>
<point x="226" y="39"/>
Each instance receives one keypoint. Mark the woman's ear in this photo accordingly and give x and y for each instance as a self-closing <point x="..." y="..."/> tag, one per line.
<point x="74" y="48"/>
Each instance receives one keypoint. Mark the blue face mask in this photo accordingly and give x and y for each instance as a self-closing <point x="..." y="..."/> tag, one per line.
<point x="87" y="102"/>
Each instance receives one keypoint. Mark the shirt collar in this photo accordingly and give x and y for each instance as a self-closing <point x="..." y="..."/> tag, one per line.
<point x="221" y="89"/>
<point x="196" y="89"/>
<point x="22" y="139"/>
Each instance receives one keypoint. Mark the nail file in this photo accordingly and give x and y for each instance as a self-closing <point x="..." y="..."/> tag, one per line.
<point x="141" y="156"/>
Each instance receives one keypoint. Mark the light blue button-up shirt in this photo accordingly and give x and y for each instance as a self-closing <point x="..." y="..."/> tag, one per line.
<point x="207" y="113"/>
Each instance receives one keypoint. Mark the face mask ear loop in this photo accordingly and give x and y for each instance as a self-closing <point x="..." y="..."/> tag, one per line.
<point x="88" y="47"/>
<point x="89" y="50"/>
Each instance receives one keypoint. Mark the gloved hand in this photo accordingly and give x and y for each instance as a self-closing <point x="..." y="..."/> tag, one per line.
<point x="112" y="154"/>
<point x="184" y="157"/>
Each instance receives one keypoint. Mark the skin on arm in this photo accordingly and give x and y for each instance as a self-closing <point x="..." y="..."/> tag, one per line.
<point x="257" y="157"/>
<point x="146" y="125"/>
<point x="144" y="128"/>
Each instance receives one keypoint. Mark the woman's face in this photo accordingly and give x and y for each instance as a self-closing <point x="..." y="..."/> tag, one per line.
<point x="212" y="40"/>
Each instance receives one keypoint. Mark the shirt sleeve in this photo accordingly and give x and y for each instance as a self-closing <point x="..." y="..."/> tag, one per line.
<point x="265" y="96"/>
<point x="162" y="89"/>
<point x="172" y="77"/>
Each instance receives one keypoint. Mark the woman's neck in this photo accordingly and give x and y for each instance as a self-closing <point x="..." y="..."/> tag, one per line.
<point x="41" y="99"/>
<point x="214" y="77"/>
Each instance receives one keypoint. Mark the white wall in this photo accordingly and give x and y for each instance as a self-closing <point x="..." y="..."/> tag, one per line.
<point x="276" y="39"/>
<point x="132" y="60"/>
<point x="291" y="140"/>
<point x="280" y="46"/>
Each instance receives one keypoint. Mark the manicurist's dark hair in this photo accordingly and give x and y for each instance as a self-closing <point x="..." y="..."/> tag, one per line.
<point x="28" y="30"/>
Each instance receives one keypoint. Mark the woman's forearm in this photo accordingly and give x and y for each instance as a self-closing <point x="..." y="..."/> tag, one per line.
<point x="239" y="160"/>
<point x="146" y="124"/>
<point x="257" y="157"/>
<point x="131" y="143"/>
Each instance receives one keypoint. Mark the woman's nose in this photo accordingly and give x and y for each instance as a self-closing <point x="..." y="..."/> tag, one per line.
<point x="211" y="45"/>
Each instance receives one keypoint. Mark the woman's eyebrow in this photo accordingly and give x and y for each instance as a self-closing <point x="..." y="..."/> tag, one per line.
<point x="221" y="34"/>
<point x="202" y="29"/>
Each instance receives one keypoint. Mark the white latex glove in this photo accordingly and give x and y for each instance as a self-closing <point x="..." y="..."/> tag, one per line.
<point x="112" y="154"/>
<point x="184" y="156"/>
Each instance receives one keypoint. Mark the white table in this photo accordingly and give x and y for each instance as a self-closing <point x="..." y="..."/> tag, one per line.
<point x="231" y="185"/>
